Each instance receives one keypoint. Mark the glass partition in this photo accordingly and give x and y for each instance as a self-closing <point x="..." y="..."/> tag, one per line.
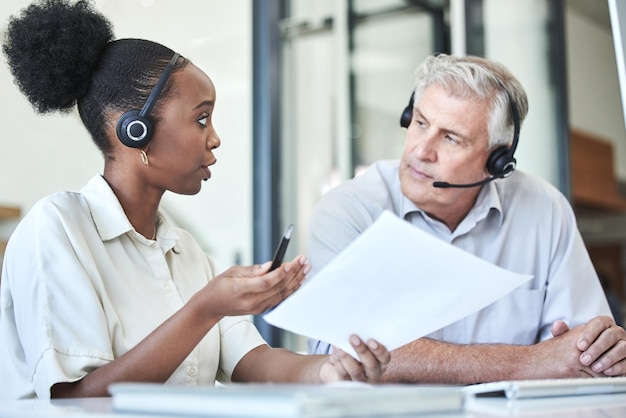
<point x="347" y="74"/>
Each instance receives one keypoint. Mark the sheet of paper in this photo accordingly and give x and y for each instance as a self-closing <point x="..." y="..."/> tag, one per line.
<point x="394" y="283"/>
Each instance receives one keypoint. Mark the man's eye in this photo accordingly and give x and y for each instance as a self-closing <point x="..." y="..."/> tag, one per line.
<point x="451" y="139"/>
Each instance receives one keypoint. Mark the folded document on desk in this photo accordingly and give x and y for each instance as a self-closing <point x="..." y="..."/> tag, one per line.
<point x="282" y="400"/>
<point x="543" y="388"/>
<point x="394" y="283"/>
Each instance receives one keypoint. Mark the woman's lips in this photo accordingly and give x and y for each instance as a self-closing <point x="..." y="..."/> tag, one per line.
<point x="207" y="171"/>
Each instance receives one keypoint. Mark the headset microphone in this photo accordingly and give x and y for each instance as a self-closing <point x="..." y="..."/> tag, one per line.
<point x="507" y="171"/>
<point x="444" y="184"/>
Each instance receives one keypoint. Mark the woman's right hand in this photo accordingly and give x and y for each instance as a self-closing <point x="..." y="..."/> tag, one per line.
<point x="243" y="290"/>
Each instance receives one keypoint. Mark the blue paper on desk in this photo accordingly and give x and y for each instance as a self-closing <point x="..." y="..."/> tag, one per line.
<point x="393" y="277"/>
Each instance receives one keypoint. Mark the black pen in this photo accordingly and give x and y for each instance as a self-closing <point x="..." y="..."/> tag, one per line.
<point x="279" y="255"/>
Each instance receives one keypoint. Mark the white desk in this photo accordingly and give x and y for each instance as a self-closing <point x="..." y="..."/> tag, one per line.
<point x="590" y="406"/>
<point x="596" y="406"/>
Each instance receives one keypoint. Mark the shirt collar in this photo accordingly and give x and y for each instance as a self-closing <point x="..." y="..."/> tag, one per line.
<point x="106" y="211"/>
<point x="488" y="198"/>
<point x="110" y="219"/>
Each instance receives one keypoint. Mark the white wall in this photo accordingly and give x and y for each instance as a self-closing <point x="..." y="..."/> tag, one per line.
<point x="43" y="154"/>
<point x="515" y="35"/>
<point x="595" y="104"/>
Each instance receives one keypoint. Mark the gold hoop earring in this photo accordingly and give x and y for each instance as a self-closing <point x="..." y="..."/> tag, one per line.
<point x="144" y="158"/>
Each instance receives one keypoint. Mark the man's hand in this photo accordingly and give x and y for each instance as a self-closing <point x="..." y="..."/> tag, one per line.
<point x="601" y="343"/>
<point x="559" y="357"/>
<point x="603" y="346"/>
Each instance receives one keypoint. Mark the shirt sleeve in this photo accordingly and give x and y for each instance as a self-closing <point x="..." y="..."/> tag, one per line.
<point x="574" y="293"/>
<point x="62" y="334"/>
<point x="238" y="337"/>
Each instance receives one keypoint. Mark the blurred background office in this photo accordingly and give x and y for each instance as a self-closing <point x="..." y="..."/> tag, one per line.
<point x="310" y="92"/>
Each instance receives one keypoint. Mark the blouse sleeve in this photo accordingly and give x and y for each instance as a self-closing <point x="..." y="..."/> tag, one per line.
<point x="61" y="334"/>
<point x="239" y="336"/>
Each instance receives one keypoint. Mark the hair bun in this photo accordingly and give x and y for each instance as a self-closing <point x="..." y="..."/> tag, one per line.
<point x="52" y="48"/>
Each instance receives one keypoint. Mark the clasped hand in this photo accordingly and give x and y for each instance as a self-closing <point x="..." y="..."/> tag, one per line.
<point x="600" y="345"/>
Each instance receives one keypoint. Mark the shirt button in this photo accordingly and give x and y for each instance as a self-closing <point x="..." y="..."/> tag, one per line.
<point x="167" y="287"/>
<point x="192" y="370"/>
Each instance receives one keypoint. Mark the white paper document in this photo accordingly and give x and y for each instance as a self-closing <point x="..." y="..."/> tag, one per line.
<point x="394" y="283"/>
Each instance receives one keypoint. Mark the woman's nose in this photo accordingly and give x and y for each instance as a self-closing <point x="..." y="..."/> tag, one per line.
<point x="214" y="140"/>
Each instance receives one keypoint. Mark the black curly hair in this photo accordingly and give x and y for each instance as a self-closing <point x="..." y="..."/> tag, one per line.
<point x="63" y="54"/>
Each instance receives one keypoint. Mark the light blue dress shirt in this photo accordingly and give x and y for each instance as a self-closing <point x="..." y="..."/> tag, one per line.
<point x="521" y="223"/>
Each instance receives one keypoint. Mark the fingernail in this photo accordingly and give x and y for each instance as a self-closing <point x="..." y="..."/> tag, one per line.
<point x="596" y="367"/>
<point x="582" y="345"/>
<point x="265" y="265"/>
<point x="585" y="359"/>
<point x="372" y="344"/>
<point x="307" y="269"/>
<point x="302" y="261"/>
<point x="355" y="340"/>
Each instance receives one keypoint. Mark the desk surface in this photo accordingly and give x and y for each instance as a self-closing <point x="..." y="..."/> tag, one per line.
<point x="595" y="406"/>
<point x="589" y="406"/>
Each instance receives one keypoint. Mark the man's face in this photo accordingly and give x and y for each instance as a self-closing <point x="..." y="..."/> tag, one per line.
<point x="446" y="141"/>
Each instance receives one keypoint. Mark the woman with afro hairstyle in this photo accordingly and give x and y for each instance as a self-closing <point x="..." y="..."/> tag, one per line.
<point x="97" y="287"/>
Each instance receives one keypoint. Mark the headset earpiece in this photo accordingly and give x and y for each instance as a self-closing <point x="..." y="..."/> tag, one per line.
<point x="501" y="162"/>
<point x="134" y="130"/>
<point x="407" y="113"/>
<point x="135" y="127"/>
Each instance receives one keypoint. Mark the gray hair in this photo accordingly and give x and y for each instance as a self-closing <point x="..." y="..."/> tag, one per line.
<point x="476" y="77"/>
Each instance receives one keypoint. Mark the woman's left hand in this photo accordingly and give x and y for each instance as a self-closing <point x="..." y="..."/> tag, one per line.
<point x="340" y="365"/>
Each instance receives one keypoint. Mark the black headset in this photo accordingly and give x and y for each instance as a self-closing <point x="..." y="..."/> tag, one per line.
<point x="135" y="127"/>
<point x="501" y="162"/>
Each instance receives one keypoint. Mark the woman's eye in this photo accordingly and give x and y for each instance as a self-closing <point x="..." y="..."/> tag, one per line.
<point x="203" y="120"/>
